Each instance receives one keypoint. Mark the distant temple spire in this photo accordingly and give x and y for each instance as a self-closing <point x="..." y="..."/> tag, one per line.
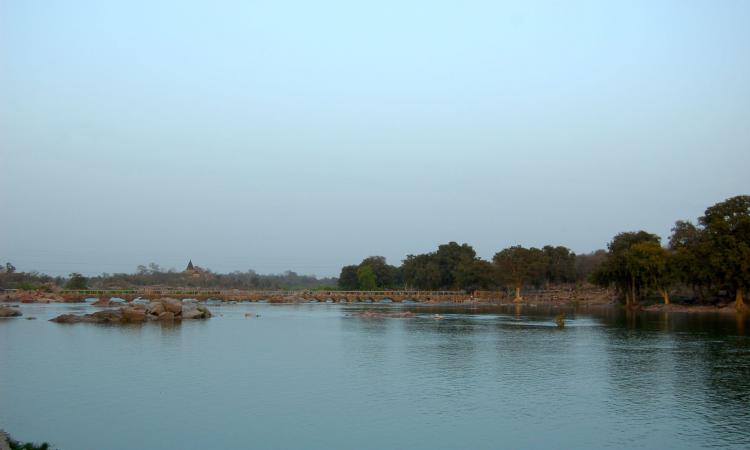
<point x="190" y="265"/>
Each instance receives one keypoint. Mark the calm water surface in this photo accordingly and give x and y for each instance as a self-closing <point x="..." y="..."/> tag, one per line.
<point x="314" y="376"/>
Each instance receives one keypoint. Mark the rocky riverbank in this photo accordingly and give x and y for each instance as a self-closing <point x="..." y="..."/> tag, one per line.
<point x="22" y="296"/>
<point x="725" y="308"/>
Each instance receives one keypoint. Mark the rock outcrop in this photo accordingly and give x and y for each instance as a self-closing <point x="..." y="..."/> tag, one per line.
<point x="164" y="309"/>
<point x="9" y="312"/>
<point x="104" y="301"/>
<point x="31" y="297"/>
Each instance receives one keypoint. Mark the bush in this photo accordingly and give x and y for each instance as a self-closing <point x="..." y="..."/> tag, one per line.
<point x="26" y="286"/>
<point x="15" y="445"/>
<point x="76" y="281"/>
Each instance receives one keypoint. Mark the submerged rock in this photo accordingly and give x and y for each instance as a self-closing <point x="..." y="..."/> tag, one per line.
<point x="9" y="312"/>
<point x="384" y="314"/>
<point x="107" y="316"/>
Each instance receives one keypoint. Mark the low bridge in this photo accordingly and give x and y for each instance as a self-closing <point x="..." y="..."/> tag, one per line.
<point x="279" y="296"/>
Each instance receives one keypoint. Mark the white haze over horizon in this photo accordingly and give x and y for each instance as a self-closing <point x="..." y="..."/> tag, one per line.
<point x="309" y="135"/>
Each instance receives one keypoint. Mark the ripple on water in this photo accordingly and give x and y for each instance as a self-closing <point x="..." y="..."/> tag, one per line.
<point x="313" y="376"/>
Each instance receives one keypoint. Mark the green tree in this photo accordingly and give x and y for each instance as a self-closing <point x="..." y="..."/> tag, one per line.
<point x="452" y="266"/>
<point x="727" y="228"/>
<point x="366" y="278"/>
<point x="619" y="270"/>
<point x="421" y="271"/>
<point x="586" y="264"/>
<point x="519" y="266"/>
<point x="449" y="257"/>
<point x="653" y="264"/>
<point x="76" y="281"/>
<point x="560" y="265"/>
<point x="691" y="250"/>
<point x="473" y="274"/>
<point x="386" y="275"/>
<point x="348" y="280"/>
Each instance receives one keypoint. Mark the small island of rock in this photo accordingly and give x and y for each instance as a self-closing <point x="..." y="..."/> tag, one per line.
<point x="163" y="309"/>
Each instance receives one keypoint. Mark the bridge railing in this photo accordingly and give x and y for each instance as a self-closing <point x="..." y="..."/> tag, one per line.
<point x="98" y="291"/>
<point x="219" y="292"/>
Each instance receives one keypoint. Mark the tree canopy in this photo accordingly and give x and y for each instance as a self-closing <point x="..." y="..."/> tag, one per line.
<point x="450" y="267"/>
<point x="76" y="281"/>
<point x="384" y="275"/>
<point x="727" y="232"/>
<point x="519" y="266"/>
<point x="621" y="267"/>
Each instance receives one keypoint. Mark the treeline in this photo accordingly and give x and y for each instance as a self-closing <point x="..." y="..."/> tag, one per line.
<point x="154" y="275"/>
<point x="710" y="260"/>
<point x="457" y="267"/>
<point x="10" y="278"/>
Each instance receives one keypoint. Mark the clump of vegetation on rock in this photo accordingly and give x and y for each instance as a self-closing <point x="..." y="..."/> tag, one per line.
<point x="15" y="445"/>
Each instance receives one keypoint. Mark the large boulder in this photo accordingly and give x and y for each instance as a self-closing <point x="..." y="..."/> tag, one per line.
<point x="155" y="308"/>
<point x="104" y="301"/>
<point x="192" y="311"/>
<point x="189" y="311"/>
<point x="205" y="311"/>
<point x="107" y="316"/>
<point x="166" y="316"/>
<point x="133" y="315"/>
<point x="172" y="305"/>
<point x="9" y="312"/>
<point x="67" y="318"/>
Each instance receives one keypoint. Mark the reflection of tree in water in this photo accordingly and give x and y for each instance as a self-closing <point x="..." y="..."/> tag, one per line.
<point x="725" y="379"/>
<point x="671" y="371"/>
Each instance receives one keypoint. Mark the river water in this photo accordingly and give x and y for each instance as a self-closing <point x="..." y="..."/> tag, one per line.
<point x="319" y="377"/>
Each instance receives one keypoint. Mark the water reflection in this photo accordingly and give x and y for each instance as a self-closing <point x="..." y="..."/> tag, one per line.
<point x="479" y="377"/>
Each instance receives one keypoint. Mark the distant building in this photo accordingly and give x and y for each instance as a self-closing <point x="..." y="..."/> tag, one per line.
<point x="194" y="271"/>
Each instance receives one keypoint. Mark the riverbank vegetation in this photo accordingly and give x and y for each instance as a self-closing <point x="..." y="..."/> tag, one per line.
<point x="8" y="442"/>
<point x="155" y="275"/>
<point x="705" y="263"/>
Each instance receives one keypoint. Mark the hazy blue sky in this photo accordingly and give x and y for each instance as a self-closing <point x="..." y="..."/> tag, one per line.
<point x="307" y="135"/>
